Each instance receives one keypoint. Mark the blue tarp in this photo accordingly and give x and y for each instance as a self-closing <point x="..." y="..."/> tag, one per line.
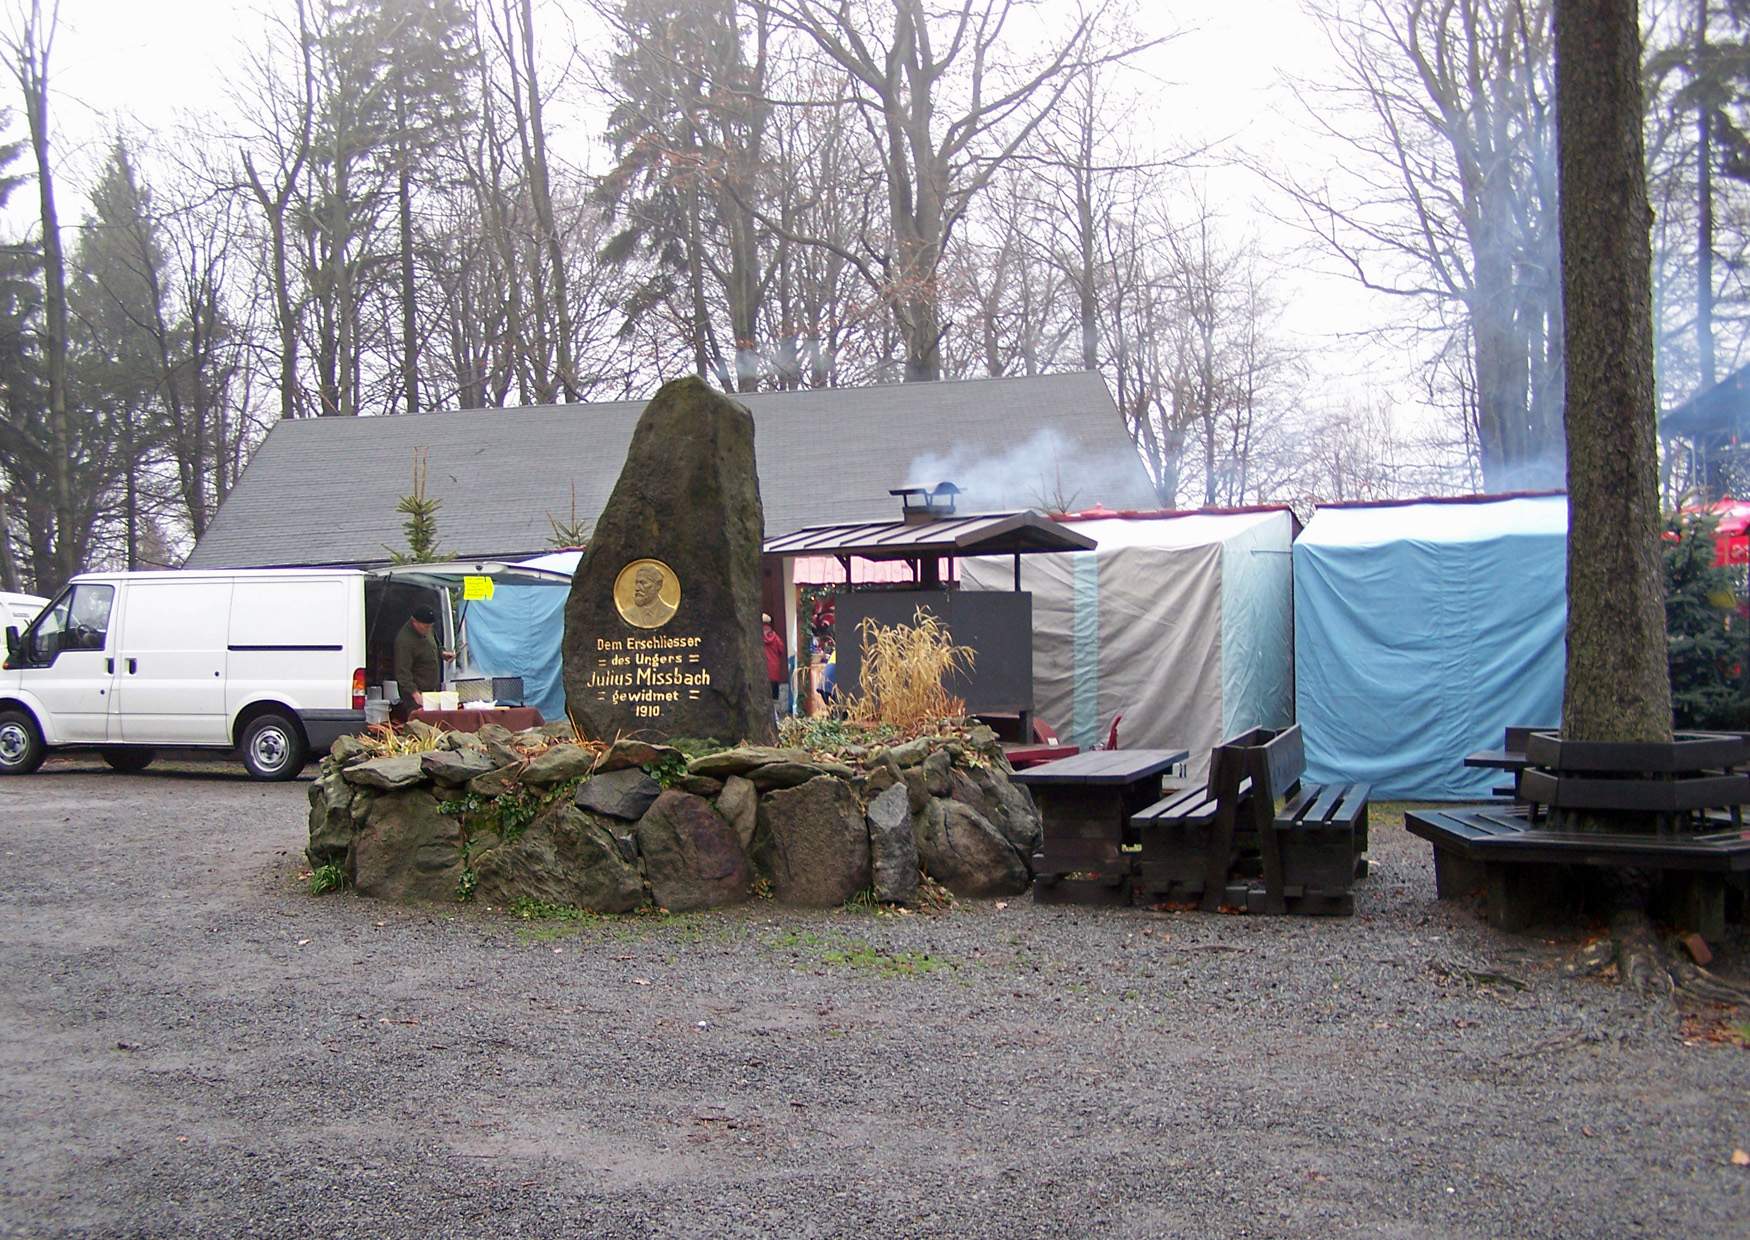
<point x="517" y="632"/>
<point x="1421" y="632"/>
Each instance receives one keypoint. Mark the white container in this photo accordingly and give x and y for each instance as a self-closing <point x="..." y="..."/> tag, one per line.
<point x="376" y="711"/>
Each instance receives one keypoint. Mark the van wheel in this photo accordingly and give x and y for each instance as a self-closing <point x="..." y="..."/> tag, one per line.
<point x="21" y="745"/>
<point x="273" y="747"/>
<point x="129" y="761"/>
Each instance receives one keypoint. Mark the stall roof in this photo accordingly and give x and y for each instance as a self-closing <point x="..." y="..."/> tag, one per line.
<point x="985" y="533"/>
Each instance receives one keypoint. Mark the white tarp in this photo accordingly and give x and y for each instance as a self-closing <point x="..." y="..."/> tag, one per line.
<point x="1182" y="624"/>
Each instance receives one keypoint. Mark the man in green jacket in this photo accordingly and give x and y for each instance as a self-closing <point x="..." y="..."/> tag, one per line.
<point x="418" y="661"/>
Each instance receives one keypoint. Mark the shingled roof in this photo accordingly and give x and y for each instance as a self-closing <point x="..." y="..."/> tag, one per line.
<point x="322" y="491"/>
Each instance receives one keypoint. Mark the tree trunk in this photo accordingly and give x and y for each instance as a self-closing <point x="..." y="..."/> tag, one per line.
<point x="10" y="580"/>
<point x="33" y="76"/>
<point x="541" y="198"/>
<point x="1704" y="220"/>
<point x="1618" y="686"/>
<point x="409" y="319"/>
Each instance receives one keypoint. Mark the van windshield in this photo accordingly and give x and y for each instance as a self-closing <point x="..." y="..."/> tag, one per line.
<point x="77" y="620"/>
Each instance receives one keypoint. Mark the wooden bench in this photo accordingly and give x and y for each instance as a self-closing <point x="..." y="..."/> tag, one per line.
<point x="1510" y="758"/>
<point x="1515" y="862"/>
<point x="1228" y="844"/>
<point x="1085" y="804"/>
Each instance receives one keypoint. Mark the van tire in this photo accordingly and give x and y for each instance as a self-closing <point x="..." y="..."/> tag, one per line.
<point x="21" y="745"/>
<point x="273" y="747"/>
<point x="129" y="761"/>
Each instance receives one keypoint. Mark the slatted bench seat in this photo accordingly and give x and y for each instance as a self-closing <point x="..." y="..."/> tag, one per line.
<point x="1502" y="853"/>
<point x="1227" y="844"/>
<point x="1314" y="847"/>
<point x="1178" y="837"/>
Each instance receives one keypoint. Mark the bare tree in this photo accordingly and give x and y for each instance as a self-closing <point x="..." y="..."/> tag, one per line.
<point x="940" y="92"/>
<point x="29" y="44"/>
<point x="1451" y="198"/>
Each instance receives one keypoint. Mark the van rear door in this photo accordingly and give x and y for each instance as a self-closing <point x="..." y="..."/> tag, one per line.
<point x="294" y="640"/>
<point x="170" y="662"/>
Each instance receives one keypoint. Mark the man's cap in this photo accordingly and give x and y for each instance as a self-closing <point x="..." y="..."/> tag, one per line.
<point x="425" y="614"/>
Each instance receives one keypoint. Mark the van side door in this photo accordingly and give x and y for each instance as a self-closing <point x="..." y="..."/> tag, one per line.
<point x="66" y="661"/>
<point x="170" y="662"/>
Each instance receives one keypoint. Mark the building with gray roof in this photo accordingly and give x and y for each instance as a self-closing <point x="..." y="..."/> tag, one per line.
<point x="322" y="491"/>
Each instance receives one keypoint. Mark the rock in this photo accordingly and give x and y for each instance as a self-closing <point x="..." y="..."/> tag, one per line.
<point x="564" y="857"/>
<point x="454" y="767"/>
<point x="422" y="730"/>
<point x="699" y="785"/>
<point x="880" y="780"/>
<point x="348" y="749"/>
<point x="461" y="742"/>
<point x="744" y="759"/>
<point x="983" y="739"/>
<point x="961" y="850"/>
<point x="790" y="774"/>
<point x="937" y="768"/>
<point x="360" y="809"/>
<point x="497" y="782"/>
<point x="407" y="850"/>
<point x="1016" y="816"/>
<point x="688" y="500"/>
<point x="911" y="752"/>
<point x="558" y="764"/>
<point x="387" y="774"/>
<point x="917" y="789"/>
<point x="500" y="745"/>
<point x="893" y="851"/>
<point x="626" y="753"/>
<point x="330" y="817"/>
<point x="813" y="842"/>
<point x="545" y="733"/>
<point x="619" y="794"/>
<point x="692" y="858"/>
<point x="739" y="803"/>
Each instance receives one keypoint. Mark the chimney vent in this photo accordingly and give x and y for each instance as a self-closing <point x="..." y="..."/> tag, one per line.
<point x="920" y="504"/>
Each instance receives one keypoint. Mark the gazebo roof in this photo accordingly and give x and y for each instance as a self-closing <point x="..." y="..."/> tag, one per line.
<point x="987" y="533"/>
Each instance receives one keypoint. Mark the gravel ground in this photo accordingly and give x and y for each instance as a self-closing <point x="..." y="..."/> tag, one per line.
<point x="192" y="1045"/>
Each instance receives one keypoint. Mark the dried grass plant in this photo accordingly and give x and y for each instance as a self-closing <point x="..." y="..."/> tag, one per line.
<point x="905" y="674"/>
<point x="385" y="740"/>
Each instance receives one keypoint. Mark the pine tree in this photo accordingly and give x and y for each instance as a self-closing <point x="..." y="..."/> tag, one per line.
<point x="1705" y="631"/>
<point x="420" y="527"/>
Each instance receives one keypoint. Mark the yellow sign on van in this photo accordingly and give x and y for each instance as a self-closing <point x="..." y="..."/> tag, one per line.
<point x="476" y="589"/>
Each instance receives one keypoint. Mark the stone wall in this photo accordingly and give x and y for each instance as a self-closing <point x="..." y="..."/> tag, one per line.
<point x="497" y="817"/>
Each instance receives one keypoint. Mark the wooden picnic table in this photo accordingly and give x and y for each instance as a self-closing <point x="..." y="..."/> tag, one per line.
<point x="1085" y="803"/>
<point x="1104" y="768"/>
<point x="1498" y="759"/>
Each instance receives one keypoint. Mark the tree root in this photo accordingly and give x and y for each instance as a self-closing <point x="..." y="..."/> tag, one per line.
<point x="1650" y="967"/>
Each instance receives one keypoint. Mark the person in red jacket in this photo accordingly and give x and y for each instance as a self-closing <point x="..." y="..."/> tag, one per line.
<point x="775" y="661"/>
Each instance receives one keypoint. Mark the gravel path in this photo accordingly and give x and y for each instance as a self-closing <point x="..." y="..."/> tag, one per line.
<point x="192" y="1045"/>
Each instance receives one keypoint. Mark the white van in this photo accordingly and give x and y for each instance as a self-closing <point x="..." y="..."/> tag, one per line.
<point x="274" y="663"/>
<point x="19" y="609"/>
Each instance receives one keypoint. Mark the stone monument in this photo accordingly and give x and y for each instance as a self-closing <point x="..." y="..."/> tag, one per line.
<point x="662" y="628"/>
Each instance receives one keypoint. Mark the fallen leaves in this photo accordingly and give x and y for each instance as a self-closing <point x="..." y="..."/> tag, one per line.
<point x="1741" y="1158"/>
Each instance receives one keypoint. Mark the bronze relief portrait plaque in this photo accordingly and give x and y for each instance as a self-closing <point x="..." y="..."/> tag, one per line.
<point x="647" y="593"/>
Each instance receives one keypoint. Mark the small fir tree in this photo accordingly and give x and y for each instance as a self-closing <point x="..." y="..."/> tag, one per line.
<point x="1704" y="629"/>
<point x="421" y="523"/>
<point x="568" y="535"/>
